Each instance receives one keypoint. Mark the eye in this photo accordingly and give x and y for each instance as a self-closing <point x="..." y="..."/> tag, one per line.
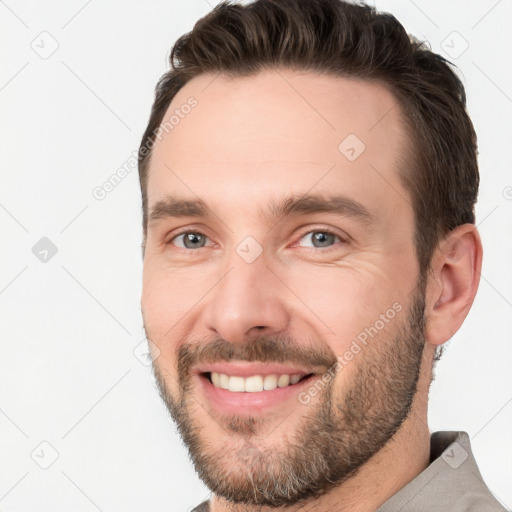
<point x="189" y="240"/>
<point x="319" y="238"/>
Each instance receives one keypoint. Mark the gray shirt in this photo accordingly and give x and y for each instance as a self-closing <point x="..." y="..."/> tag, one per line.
<point x="451" y="482"/>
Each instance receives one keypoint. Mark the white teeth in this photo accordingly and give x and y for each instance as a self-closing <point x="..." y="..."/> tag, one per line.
<point x="216" y="379"/>
<point x="223" y="380"/>
<point x="283" y="381"/>
<point x="236" y="384"/>
<point x="254" y="383"/>
<point x="270" y="382"/>
<point x="294" y="379"/>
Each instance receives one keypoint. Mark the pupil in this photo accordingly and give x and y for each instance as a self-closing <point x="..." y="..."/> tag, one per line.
<point x="193" y="240"/>
<point x="321" y="239"/>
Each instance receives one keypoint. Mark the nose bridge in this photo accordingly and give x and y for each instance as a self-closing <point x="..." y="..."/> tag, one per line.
<point x="248" y="298"/>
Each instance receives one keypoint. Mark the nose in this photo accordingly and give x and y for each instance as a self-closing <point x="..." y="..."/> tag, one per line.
<point x="247" y="302"/>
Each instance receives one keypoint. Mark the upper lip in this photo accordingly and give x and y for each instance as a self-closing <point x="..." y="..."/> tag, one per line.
<point x="247" y="369"/>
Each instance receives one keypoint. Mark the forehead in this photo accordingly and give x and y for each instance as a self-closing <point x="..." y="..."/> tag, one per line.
<point x="281" y="130"/>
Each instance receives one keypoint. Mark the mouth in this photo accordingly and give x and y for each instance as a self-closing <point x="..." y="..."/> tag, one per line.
<point x="249" y="388"/>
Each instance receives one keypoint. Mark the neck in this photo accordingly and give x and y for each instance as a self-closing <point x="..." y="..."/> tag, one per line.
<point x="404" y="457"/>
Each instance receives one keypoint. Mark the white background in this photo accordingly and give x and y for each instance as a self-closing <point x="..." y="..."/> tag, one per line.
<point x="69" y="326"/>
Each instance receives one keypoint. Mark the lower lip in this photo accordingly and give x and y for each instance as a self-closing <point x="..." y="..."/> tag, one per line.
<point x="229" y="402"/>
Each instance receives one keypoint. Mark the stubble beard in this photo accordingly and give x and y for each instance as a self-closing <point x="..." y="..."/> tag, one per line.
<point x="336" y="437"/>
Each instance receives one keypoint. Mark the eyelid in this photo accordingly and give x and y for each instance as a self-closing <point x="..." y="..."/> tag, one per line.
<point x="322" y="229"/>
<point x="344" y="238"/>
<point x="189" y="229"/>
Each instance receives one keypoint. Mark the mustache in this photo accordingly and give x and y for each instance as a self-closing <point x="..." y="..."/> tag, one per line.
<point x="275" y="349"/>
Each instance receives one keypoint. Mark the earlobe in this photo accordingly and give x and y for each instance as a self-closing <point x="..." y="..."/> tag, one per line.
<point x="453" y="283"/>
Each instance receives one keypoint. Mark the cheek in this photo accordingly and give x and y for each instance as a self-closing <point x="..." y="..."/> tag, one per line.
<point x="171" y="303"/>
<point x="349" y="305"/>
<point x="161" y="311"/>
<point x="169" y="297"/>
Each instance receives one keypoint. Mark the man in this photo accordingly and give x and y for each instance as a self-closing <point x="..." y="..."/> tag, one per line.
<point x="309" y="177"/>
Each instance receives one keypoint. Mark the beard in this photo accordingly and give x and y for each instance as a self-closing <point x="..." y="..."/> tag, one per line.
<point x="336" y="436"/>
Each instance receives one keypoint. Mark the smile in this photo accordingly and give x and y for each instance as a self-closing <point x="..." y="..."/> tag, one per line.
<point x="234" y="388"/>
<point x="253" y="383"/>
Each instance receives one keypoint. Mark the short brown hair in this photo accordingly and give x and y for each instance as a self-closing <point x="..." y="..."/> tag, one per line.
<point x="346" y="40"/>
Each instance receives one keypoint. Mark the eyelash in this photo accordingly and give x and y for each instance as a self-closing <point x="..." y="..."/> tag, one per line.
<point x="299" y="238"/>
<point x="185" y="231"/>
<point x="321" y="230"/>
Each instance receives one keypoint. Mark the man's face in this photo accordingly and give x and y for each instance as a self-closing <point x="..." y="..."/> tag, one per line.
<point x="268" y="283"/>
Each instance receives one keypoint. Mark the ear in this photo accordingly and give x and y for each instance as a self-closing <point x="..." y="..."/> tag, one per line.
<point x="452" y="283"/>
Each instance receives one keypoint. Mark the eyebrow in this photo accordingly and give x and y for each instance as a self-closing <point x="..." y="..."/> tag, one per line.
<point x="177" y="207"/>
<point x="309" y="204"/>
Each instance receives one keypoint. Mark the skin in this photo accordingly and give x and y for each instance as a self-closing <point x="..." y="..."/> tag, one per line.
<point x="264" y="137"/>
